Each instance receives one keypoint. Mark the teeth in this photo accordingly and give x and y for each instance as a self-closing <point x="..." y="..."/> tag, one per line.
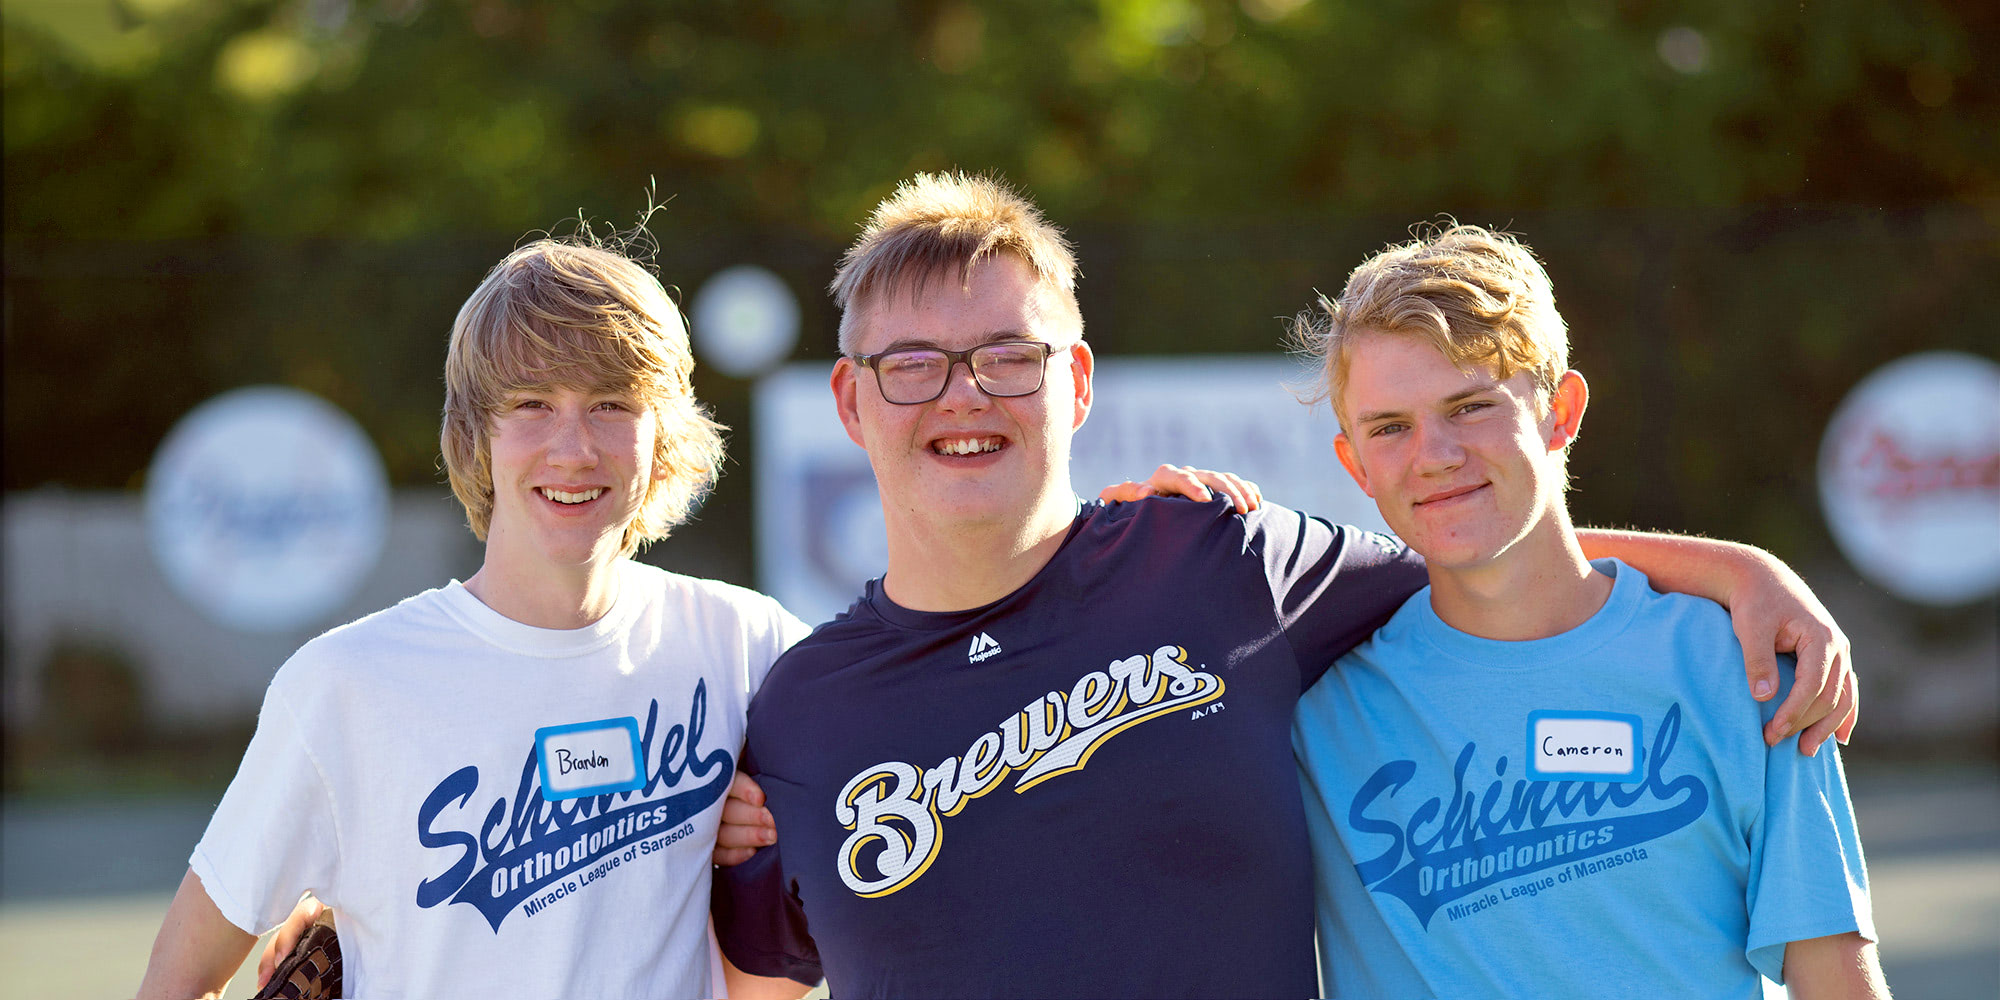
<point x="561" y="497"/>
<point x="967" y="446"/>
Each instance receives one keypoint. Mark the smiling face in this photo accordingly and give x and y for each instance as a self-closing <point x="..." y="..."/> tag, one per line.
<point x="1463" y="465"/>
<point x="967" y="458"/>
<point x="571" y="471"/>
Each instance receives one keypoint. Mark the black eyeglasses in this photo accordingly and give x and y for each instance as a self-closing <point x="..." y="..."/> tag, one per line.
<point x="919" y="374"/>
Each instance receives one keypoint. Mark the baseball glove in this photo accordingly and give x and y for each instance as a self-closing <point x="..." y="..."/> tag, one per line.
<point x="312" y="970"/>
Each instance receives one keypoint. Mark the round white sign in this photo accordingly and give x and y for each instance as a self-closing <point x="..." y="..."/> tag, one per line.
<point x="745" y="321"/>
<point x="1909" y="477"/>
<point x="265" y="507"/>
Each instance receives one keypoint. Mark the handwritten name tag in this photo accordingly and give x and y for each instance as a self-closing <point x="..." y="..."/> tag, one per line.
<point x="589" y="758"/>
<point x="1583" y="746"/>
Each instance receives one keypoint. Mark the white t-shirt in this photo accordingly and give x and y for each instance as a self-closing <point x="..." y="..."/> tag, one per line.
<point x="496" y="809"/>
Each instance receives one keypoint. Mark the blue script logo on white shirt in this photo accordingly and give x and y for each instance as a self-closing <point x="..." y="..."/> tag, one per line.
<point x="1507" y="832"/>
<point x="548" y="838"/>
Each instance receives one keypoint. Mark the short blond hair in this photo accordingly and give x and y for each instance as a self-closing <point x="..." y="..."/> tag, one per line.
<point x="942" y="224"/>
<point x="1480" y="297"/>
<point x="587" y="317"/>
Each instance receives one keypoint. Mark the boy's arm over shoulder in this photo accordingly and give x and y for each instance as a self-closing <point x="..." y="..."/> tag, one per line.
<point x="1332" y="585"/>
<point x="1772" y="611"/>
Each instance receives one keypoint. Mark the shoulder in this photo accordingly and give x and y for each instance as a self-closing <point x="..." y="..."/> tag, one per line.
<point x="1179" y="515"/>
<point x="853" y="639"/>
<point x="1178" y="524"/>
<point x="709" y="599"/>
<point x="1695" y="631"/>
<point x="1684" y="615"/>
<point x="378" y="639"/>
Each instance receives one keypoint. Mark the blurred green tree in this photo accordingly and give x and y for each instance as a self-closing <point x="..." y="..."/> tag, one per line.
<point x="203" y="193"/>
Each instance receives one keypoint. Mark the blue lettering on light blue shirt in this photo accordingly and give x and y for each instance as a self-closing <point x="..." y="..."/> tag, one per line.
<point x="1472" y="847"/>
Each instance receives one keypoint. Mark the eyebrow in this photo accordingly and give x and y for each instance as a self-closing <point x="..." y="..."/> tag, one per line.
<point x="996" y="337"/>
<point x="1478" y="388"/>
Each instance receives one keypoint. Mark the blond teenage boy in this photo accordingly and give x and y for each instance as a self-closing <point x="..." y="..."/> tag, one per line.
<point x="1046" y="754"/>
<point x="1540" y="777"/>
<point x="511" y="786"/>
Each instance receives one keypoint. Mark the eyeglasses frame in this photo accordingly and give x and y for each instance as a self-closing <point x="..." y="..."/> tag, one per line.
<point x="955" y="358"/>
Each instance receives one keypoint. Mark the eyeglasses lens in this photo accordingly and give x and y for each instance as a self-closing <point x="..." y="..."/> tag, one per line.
<point x="1002" y="370"/>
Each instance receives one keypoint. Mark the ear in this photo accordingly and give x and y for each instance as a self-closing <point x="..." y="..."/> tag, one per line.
<point x="1566" y="405"/>
<point x="1351" y="462"/>
<point x="1082" y="366"/>
<point x="846" y="385"/>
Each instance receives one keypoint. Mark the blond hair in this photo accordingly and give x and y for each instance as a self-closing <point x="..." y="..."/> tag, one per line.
<point x="586" y="317"/>
<point x="1480" y="297"/>
<point x="944" y="223"/>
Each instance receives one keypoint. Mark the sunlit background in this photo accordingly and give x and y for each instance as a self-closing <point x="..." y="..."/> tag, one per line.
<point x="1774" y="230"/>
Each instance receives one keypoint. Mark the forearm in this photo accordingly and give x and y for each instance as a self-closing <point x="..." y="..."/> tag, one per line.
<point x="1703" y="567"/>
<point x="197" y="950"/>
<point x="1836" y="967"/>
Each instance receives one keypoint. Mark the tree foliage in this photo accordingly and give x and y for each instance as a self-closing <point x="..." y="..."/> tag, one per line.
<point x="1746" y="206"/>
<point x="400" y="118"/>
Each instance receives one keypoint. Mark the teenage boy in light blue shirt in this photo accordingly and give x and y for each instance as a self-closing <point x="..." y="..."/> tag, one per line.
<point x="1540" y="778"/>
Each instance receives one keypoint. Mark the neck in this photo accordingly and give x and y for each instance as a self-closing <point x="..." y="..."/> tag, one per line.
<point x="554" y="597"/>
<point x="940" y="565"/>
<point x="1541" y="586"/>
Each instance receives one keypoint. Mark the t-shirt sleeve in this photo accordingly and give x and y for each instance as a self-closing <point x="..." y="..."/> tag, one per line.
<point x="759" y="921"/>
<point x="1807" y="875"/>
<point x="272" y="837"/>
<point x="782" y="631"/>
<point x="1332" y="585"/>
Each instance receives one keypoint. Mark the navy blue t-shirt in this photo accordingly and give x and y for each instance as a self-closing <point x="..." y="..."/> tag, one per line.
<point x="1083" y="789"/>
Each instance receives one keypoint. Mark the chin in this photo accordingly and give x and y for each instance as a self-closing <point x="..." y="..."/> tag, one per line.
<point x="1454" y="554"/>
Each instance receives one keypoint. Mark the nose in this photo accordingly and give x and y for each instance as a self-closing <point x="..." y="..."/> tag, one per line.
<point x="961" y="390"/>
<point x="1438" y="448"/>
<point x="571" y="442"/>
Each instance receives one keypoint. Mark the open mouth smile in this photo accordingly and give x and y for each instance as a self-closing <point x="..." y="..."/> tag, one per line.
<point x="962" y="446"/>
<point x="571" y="499"/>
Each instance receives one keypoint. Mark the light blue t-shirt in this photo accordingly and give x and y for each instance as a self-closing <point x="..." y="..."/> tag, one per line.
<point x="1590" y="815"/>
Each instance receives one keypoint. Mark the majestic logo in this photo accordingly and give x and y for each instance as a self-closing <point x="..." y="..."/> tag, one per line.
<point x="542" y="850"/>
<point x="1450" y="849"/>
<point x="893" y="807"/>
<point x="983" y="647"/>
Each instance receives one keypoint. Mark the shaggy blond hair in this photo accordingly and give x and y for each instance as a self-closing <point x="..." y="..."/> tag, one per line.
<point x="583" y="317"/>
<point x="1480" y="297"/>
<point x="942" y="224"/>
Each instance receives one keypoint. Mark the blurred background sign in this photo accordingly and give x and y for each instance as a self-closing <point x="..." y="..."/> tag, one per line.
<point x="745" y="321"/>
<point x="1909" y="477"/>
<point x="819" y="518"/>
<point x="265" y="507"/>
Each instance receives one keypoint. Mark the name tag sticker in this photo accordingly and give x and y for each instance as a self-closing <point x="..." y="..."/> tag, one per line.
<point x="588" y="758"/>
<point x="1583" y="746"/>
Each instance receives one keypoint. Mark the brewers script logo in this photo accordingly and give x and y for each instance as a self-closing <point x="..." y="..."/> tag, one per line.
<point x="540" y="851"/>
<point x="893" y="807"/>
<point x="1450" y="849"/>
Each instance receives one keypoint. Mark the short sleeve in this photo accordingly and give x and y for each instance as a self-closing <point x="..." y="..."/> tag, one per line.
<point x="784" y="631"/>
<point x="1331" y="585"/>
<point x="272" y="837"/>
<point x="1808" y="878"/>
<point x="759" y="920"/>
